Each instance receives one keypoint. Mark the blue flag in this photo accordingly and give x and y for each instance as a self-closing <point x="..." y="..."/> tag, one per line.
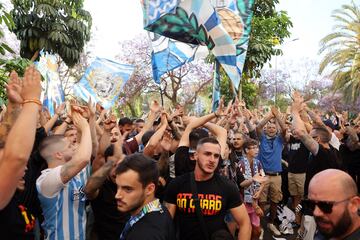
<point x="169" y="54"/>
<point x="103" y="81"/>
<point x="54" y="93"/>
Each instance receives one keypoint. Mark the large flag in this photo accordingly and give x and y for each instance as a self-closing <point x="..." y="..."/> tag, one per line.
<point x="194" y="22"/>
<point x="169" y="54"/>
<point x="53" y="94"/>
<point x="236" y="18"/>
<point x="103" y="81"/>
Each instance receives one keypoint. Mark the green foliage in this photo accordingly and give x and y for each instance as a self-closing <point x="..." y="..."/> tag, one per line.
<point x="342" y="55"/>
<point x="6" y="66"/>
<point x="268" y="29"/>
<point x="5" y="18"/>
<point x="57" y="26"/>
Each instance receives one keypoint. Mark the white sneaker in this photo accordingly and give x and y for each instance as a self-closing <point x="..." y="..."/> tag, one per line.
<point x="273" y="229"/>
<point x="261" y="237"/>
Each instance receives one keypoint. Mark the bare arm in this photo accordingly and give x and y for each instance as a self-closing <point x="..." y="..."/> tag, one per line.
<point x="261" y="124"/>
<point x="242" y="219"/>
<point x="154" y="110"/>
<point x="194" y="123"/>
<point x="221" y="135"/>
<point x="82" y="155"/>
<point x="299" y="126"/>
<point x="171" y="208"/>
<point x="92" y="124"/>
<point x="14" y="160"/>
<point x="155" y="139"/>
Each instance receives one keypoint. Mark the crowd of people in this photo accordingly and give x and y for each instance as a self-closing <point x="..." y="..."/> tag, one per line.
<point x="84" y="174"/>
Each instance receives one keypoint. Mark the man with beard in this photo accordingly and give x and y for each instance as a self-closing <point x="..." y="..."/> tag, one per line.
<point x="335" y="206"/>
<point x="137" y="177"/>
<point x="216" y="196"/>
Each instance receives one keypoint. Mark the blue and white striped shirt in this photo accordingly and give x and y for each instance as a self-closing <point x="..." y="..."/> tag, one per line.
<point x="63" y="205"/>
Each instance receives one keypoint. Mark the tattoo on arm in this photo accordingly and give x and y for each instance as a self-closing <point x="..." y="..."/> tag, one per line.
<point x="98" y="178"/>
<point x="9" y="119"/>
<point x="310" y="143"/>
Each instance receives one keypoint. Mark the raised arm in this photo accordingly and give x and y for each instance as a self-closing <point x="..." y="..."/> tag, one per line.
<point x="14" y="159"/>
<point x="221" y="135"/>
<point x="49" y="124"/>
<point x="299" y="126"/>
<point x="97" y="179"/>
<point x="279" y="120"/>
<point x="155" y="139"/>
<point x="82" y="155"/>
<point x="154" y="111"/>
<point x="92" y="124"/>
<point x="261" y="124"/>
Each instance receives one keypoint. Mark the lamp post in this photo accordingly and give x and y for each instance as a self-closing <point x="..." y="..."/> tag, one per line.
<point x="276" y="79"/>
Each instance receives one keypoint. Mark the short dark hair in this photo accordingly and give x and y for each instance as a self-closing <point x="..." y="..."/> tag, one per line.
<point x="207" y="140"/>
<point x="139" y="120"/>
<point x="249" y="143"/>
<point x="196" y="135"/>
<point x="109" y="152"/>
<point x="324" y="135"/>
<point x="125" y="120"/>
<point x="146" y="167"/>
<point x="48" y="142"/>
<point x="146" y="137"/>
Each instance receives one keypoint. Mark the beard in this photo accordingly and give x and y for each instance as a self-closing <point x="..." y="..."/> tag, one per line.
<point x="339" y="229"/>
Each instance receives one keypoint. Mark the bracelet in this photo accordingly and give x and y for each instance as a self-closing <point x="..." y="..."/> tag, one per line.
<point x="33" y="101"/>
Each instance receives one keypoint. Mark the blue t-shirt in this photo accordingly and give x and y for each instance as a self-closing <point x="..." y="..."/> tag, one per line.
<point x="270" y="153"/>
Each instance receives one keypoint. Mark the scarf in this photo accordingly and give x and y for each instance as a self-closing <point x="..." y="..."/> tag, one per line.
<point x="252" y="189"/>
<point x="153" y="206"/>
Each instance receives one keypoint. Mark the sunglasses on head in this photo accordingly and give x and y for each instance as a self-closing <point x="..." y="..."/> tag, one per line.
<point x="325" y="206"/>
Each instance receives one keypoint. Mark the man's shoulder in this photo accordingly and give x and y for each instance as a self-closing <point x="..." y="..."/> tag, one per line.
<point x="154" y="225"/>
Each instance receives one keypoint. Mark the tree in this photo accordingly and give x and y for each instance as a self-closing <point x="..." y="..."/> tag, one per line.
<point x="61" y="27"/>
<point x="5" y="18"/>
<point x="268" y="29"/>
<point x="342" y="54"/>
<point x="182" y="85"/>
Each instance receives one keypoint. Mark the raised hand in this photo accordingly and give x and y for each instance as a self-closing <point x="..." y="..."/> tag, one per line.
<point x="13" y="89"/>
<point x="79" y="121"/>
<point x="110" y="123"/>
<point x="92" y="108"/>
<point x="155" y="107"/>
<point x="60" y="109"/>
<point x="31" y="88"/>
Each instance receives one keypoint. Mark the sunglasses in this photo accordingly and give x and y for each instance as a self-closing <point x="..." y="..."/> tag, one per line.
<point x="325" y="206"/>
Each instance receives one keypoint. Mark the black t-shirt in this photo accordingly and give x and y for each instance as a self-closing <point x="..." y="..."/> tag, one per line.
<point x="351" y="158"/>
<point x="16" y="221"/>
<point x="153" y="226"/>
<point x="29" y="197"/>
<point x="183" y="163"/>
<point x="109" y="222"/>
<point x="325" y="159"/>
<point x="217" y="195"/>
<point x="298" y="156"/>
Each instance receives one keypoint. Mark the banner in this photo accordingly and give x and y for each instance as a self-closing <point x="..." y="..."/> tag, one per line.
<point x="193" y="22"/>
<point x="169" y="54"/>
<point x="53" y="93"/>
<point x="103" y="82"/>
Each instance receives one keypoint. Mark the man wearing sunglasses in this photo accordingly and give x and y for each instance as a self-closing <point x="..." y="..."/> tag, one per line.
<point x="335" y="206"/>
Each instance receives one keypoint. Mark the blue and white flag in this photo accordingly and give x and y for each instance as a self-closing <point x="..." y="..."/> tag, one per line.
<point x="169" y="54"/>
<point x="103" y="81"/>
<point x="194" y="22"/>
<point x="53" y="94"/>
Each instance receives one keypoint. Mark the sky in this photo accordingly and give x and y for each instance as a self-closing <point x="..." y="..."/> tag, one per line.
<point x="118" y="20"/>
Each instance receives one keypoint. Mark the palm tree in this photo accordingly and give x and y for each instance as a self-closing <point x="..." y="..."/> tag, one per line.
<point x="342" y="52"/>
